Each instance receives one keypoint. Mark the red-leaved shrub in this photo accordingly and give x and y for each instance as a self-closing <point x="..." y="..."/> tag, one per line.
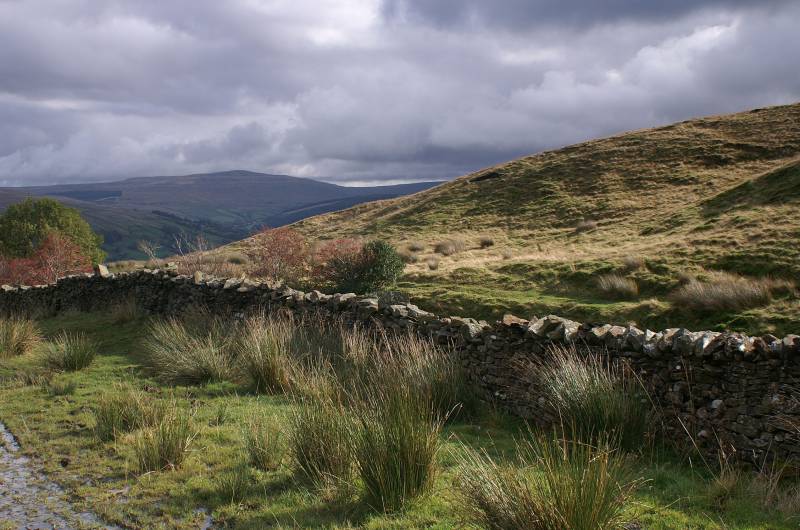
<point x="280" y="254"/>
<point x="334" y="257"/>
<point x="56" y="256"/>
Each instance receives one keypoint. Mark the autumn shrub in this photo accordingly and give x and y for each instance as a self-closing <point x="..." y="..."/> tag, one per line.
<point x="56" y="256"/>
<point x="280" y="254"/>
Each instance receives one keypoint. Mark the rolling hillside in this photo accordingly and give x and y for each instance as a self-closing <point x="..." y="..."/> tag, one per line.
<point x="720" y="192"/>
<point x="222" y="206"/>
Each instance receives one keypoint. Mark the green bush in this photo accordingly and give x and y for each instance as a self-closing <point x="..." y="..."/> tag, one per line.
<point x="18" y="336"/>
<point x="555" y="485"/>
<point x="592" y="399"/>
<point x="182" y="354"/>
<point x="60" y="387"/>
<point x="376" y="267"/>
<point x="69" y="353"/>
<point x="23" y="226"/>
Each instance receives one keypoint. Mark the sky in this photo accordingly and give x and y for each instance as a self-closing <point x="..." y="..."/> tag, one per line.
<point x="365" y="91"/>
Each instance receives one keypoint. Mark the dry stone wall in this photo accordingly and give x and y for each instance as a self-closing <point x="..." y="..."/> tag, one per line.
<point x="726" y="389"/>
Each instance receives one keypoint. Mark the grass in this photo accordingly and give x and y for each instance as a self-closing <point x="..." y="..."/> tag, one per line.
<point x="163" y="446"/>
<point x="68" y="352"/>
<point x="724" y="291"/>
<point x="591" y="399"/>
<point x="18" y="336"/>
<point x="123" y="410"/>
<point x="617" y="286"/>
<point x="264" y="442"/>
<point x="103" y="477"/>
<point x="319" y="445"/>
<point x="263" y="348"/>
<point x="556" y="484"/>
<point x="395" y="444"/>
<point x="694" y="196"/>
<point x="179" y="354"/>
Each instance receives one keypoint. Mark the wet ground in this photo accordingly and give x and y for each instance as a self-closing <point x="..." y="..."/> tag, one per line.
<point x="28" y="500"/>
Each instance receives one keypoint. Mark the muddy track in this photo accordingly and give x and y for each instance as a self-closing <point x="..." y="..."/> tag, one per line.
<point x="28" y="499"/>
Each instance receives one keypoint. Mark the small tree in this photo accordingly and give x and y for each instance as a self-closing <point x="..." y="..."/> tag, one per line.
<point x="55" y="257"/>
<point x="280" y="254"/>
<point x="24" y="227"/>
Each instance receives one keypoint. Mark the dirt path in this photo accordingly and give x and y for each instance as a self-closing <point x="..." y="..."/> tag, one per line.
<point x="28" y="500"/>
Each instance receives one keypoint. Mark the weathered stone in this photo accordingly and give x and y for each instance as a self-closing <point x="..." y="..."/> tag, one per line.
<point x="101" y="270"/>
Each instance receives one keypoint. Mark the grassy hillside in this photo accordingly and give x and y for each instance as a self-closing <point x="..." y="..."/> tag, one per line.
<point x="717" y="193"/>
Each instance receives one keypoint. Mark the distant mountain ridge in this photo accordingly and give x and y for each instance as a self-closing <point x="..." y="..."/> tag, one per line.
<point x="223" y="206"/>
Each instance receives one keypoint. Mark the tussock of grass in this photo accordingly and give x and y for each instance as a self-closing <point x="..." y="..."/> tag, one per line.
<point x="555" y="485"/>
<point x="724" y="291"/>
<point x="432" y="263"/>
<point x="593" y="400"/>
<point x="18" y="336"/>
<point x="319" y="442"/>
<point x="395" y="442"/>
<point x="233" y="485"/>
<point x="123" y="410"/>
<point x="486" y="242"/>
<point x="69" y="352"/>
<point x="183" y="354"/>
<point x="59" y="387"/>
<point x="164" y="445"/>
<point x="264" y="443"/>
<point x="264" y="353"/>
<point x="450" y="247"/>
<point x="617" y="286"/>
<point x="586" y="226"/>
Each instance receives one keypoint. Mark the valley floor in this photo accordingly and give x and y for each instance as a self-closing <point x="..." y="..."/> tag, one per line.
<point x="56" y="433"/>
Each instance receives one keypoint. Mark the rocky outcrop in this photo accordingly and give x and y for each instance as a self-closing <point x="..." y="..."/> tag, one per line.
<point x="719" y="388"/>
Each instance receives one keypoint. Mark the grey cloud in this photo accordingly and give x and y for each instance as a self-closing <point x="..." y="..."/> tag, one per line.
<point x="529" y="14"/>
<point x="362" y="91"/>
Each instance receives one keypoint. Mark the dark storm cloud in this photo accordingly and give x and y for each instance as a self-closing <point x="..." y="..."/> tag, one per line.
<point x="365" y="91"/>
<point x="526" y="14"/>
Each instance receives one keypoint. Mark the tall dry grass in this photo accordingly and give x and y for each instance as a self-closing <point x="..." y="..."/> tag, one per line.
<point x="164" y="445"/>
<point x="617" y="286"/>
<point x="592" y="399"/>
<point x="264" y="353"/>
<point x="725" y="291"/>
<point x="178" y="353"/>
<point x="18" y="336"/>
<point x="125" y="409"/>
<point x="554" y="485"/>
<point x="68" y="352"/>
<point x="395" y="438"/>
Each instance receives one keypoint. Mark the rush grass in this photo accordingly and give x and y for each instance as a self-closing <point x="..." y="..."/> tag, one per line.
<point x="103" y="476"/>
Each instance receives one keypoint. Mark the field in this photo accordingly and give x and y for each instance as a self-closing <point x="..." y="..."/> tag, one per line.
<point x="657" y="208"/>
<point x="56" y="426"/>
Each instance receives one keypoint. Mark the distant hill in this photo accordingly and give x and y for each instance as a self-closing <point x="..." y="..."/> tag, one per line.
<point x="720" y="192"/>
<point x="222" y="206"/>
